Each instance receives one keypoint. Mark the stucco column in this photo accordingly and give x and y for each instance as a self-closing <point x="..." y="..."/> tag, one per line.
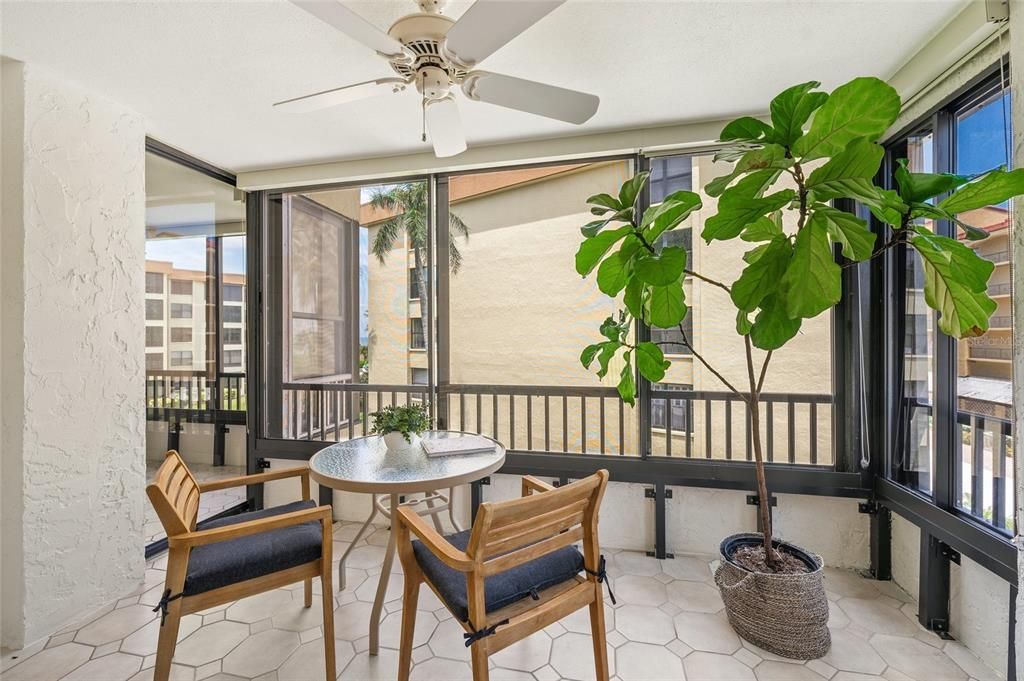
<point x="72" y="254"/>
<point x="1016" y="43"/>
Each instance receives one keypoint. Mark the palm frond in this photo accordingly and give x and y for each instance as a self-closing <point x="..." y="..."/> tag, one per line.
<point x="384" y="239"/>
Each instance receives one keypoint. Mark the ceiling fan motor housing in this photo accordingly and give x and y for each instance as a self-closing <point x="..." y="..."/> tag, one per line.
<point x="422" y="35"/>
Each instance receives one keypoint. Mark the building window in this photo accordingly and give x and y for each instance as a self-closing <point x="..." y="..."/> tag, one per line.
<point x="181" y="358"/>
<point x="418" y="376"/>
<point x="414" y="283"/>
<point x="154" y="310"/>
<point x="181" y="335"/>
<point x="232" y="336"/>
<point x="670" y="174"/>
<point x="680" y="410"/>
<point x="181" y="311"/>
<point x="671" y="340"/>
<point x="154" y="282"/>
<point x="181" y="287"/>
<point x="154" y="361"/>
<point x="232" y="358"/>
<point x="417" y="340"/>
<point x="233" y="293"/>
<point x="154" y="336"/>
<point x="232" y="314"/>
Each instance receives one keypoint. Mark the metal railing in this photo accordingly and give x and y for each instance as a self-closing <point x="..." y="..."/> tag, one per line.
<point x="986" y="469"/>
<point x="1000" y="322"/>
<point x="333" y="412"/>
<point x="568" y="420"/>
<point x="193" y="391"/>
<point x="989" y="352"/>
<point x="999" y="289"/>
<point x="996" y="256"/>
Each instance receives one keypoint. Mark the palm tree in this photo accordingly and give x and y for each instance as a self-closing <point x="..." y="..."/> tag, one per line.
<point x="407" y="204"/>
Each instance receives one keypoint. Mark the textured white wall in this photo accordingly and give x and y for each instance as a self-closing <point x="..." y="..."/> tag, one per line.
<point x="979" y="611"/>
<point x="76" y="290"/>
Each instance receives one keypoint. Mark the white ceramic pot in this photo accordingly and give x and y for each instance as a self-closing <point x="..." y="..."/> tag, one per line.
<point x="395" y="441"/>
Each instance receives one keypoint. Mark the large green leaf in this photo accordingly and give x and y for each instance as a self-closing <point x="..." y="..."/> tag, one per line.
<point x="661" y="269"/>
<point x="746" y="128"/>
<point x="923" y="186"/>
<point x="603" y="352"/>
<point x="668" y="214"/>
<point x="926" y="210"/>
<point x="887" y="206"/>
<point x="592" y="228"/>
<point x="791" y="109"/>
<point x="627" y="384"/>
<point x="613" y="274"/>
<point x="630" y="189"/>
<point x="992" y="188"/>
<point x="667" y="305"/>
<point x="743" y="204"/>
<point x="762" y="229"/>
<point x="633" y="298"/>
<point x="766" y="157"/>
<point x="772" y="327"/>
<point x="849" y="231"/>
<point x="811" y="283"/>
<point x="864" y="107"/>
<point x="859" y="161"/>
<point x="651" y="362"/>
<point x="955" y="283"/>
<point x="605" y="200"/>
<point x="761" y="277"/>
<point x="593" y="249"/>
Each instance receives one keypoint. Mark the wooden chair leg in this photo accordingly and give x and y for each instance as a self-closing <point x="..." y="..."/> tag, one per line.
<point x="328" y="604"/>
<point x="410" y="600"/>
<point x="307" y="589"/>
<point x="177" y="564"/>
<point x="479" y="661"/>
<point x="597" y="634"/>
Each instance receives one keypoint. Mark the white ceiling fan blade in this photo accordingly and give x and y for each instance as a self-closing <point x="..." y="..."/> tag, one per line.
<point x="340" y="95"/>
<point x="445" y="127"/>
<point x="351" y="24"/>
<point x="489" y="24"/>
<point x="530" y="96"/>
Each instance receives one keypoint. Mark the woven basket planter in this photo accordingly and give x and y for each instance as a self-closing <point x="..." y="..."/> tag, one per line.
<point x="783" y="614"/>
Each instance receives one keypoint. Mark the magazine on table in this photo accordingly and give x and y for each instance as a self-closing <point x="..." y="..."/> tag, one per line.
<point x="451" y="444"/>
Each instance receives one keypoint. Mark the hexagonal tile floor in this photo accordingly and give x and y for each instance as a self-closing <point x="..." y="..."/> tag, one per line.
<point x="668" y="623"/>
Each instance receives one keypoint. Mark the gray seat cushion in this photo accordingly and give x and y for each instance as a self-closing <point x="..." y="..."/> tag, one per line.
<point x="503" y="588"/>
<point x="236" y="560"/>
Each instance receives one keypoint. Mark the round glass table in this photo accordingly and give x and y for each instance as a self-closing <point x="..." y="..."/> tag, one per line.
<point x="365" y="465"/>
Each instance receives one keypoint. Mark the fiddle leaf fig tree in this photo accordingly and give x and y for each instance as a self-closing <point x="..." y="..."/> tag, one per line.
<point x="819" y="147"/>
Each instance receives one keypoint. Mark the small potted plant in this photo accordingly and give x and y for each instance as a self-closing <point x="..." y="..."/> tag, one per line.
<point x="400" y="426"/>
<point x="777" y="199"/>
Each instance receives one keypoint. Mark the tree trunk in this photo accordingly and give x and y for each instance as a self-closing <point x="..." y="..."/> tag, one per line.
<point x="763" y="501"/>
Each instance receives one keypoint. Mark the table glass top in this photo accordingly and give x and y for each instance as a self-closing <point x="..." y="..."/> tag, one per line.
<point x="367" y="461"/>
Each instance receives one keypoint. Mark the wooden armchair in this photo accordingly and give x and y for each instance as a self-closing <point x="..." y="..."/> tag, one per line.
<point x="515" y="572"/>
<point x="237" y="556"/>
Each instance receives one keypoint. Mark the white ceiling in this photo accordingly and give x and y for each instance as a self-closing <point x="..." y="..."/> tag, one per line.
<point x="205" y="73"/>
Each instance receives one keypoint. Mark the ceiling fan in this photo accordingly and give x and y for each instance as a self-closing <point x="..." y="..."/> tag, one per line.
<point x="434" y="53"/>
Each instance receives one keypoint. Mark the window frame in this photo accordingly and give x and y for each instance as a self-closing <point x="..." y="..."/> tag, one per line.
<point x="945" y="496"/>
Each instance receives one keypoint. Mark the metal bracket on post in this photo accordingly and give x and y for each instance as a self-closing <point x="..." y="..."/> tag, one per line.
<point x="880" y="539"/>
<point x="659" y="493"/>
<point x="262" y="463"/>
<point x="949" y="553"/>
<point x="755" y="500"/>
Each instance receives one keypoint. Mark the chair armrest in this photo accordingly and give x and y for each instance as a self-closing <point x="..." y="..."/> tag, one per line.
<point x="532" y="484"/>
<point x="255" y="479"/>
<point x="438" y="545"/>
<point x="217" y="534"/>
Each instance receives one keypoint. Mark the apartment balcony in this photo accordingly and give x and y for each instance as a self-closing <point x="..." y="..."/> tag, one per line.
<point x="234" y="331"/>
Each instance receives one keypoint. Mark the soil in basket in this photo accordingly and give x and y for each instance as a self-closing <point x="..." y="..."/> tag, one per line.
<point x="752" y="558"/>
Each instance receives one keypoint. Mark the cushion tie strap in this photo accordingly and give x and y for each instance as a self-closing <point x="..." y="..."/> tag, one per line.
<point x="534" y="594"/>
<point x="161" y="607"/>
<point x="602" y="577"/>
<point x="482" y="633"/>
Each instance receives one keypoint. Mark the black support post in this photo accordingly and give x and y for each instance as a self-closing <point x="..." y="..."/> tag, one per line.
<point x="476" y="498"/>
<point x="219" y="434"/>
<point x="881" y="542"/>
<point x="659" y="494"/>
<point x="933" y="606"/>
